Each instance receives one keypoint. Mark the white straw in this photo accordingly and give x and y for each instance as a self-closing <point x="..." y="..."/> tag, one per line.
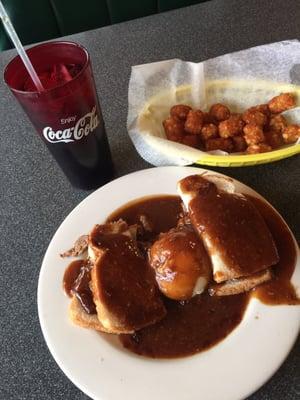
<point x="20" y="49"/>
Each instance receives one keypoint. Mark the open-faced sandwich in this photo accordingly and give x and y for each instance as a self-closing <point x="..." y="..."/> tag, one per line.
<point x="172" y="275"/>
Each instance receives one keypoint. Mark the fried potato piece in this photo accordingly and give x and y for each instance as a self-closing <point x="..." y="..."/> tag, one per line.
<point x="264" y="108"/>
<point x="174" y="129"/>
<point x="291" y="133"/>
<point x="192" y="141"/>
<point x="180" y="111"/>
<point x="194" y="122"/>
<point x="233" y="126"/>
<point x="209" y="131"/>
<point x="281" y="103"/>
<point x="274" y="138"/>
<point x="219" y="112"/>
<point x="253" y="134"/>
<point x="259" y="148"/>
<point x="256" y="117"/>
<point x="260" y="128"/>
<point x="278" y="123"/>
<point x="239" y="144"/>
<point x="224" y="144"/>
<point x="208" y="119"/>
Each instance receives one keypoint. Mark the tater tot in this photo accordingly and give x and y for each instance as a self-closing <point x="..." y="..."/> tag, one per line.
<point x="256" y="117"/>
<point x="194" y="122"/>
<point x="281" y="103"/>
<point x="253" y="134"/>
<point x="180" y="111"/>
<point x="291" y="133"/>
<point x="264" y="108"/>
<point x="209" y="131"/>
<point x="174" y="129"/>
<point x="208" y="119"/>
<point x="224" y="144"/>
<point x="259" y="129"/>
<point x="219" y="112"/>
<point x="231" y="127"/>
<point x="192" y="141"/>
<point x="274" y="138"/>
<point x="259" y="148"/>
<point x="278" y="123"/>
<point x="239" y="143"/>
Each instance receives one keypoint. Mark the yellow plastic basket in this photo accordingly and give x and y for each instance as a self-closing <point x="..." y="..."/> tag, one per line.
<point x="248" y="159"/>
<point x="238" y="95"/>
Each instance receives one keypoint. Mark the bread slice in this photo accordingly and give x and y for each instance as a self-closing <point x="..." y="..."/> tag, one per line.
<point x="80" y="317"/>
<point x="120" y="226"/>
<point x="124" y="287"/>
<point x="241" y="285"/>
<point x="122" y="283"/>
<point x="234" y="233"/>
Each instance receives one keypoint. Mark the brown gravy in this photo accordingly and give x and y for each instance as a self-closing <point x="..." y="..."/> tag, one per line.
<point x="196" y="325"/>
<point x="163" y="212"/>
<point x="189" y="327"/>
<point x="280" y="289"/>
<point x="76" y="282"/>
<point x="126" y="283"/>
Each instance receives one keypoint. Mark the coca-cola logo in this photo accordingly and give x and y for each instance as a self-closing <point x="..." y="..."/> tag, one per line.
<point x="83" y="127"/>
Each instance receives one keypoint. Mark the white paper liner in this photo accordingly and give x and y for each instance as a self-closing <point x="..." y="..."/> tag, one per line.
<point x="240" y="80"/>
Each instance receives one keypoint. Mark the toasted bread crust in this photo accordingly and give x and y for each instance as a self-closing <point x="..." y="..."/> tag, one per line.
<point x="109" y="323"/>
<point x="81" y="318"/>
<point x="236" y="286"/>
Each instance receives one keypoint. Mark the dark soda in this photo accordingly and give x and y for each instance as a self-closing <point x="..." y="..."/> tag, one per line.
<point x="67" y="113"/>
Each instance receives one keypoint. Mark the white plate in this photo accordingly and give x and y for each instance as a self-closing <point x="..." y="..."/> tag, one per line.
<point x="101" y="368"/>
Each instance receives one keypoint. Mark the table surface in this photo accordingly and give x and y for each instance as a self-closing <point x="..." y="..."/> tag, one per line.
<point x="35" y="197"/>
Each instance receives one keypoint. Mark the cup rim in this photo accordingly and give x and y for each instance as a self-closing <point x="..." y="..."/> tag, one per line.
<point x="47" y="91"/>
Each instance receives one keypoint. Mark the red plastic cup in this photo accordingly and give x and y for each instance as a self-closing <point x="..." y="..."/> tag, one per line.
<point x="67" y="114"/>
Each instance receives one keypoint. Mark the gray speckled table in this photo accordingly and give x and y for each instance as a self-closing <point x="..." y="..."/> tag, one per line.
<point x="35" y="197"/>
